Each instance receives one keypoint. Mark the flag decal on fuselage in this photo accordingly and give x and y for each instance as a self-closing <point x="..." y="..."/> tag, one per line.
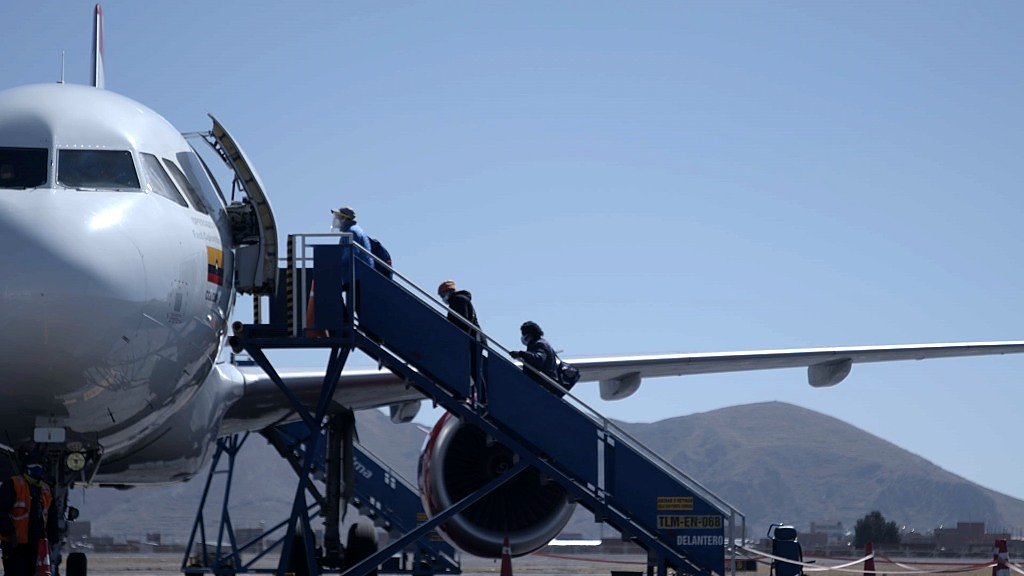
<point x="214" y="266"/>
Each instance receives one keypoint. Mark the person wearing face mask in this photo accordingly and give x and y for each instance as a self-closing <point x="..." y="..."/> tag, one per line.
<point x="460" y="302"/>
<point x="539" y="355"/>
<point x="27" y="514"/>
<point x="463" y="314"/>
<point x="345" y="221"/>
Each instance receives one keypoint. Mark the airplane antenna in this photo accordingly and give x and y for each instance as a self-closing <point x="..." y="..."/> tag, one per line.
<point x="61" y="81"/>
<point x="97" y="49"/>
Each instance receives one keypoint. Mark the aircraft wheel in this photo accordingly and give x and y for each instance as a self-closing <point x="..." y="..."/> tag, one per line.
<point x="77" y="564"/>
<point x="362" y="543"/>
<point x="297" y="563"/>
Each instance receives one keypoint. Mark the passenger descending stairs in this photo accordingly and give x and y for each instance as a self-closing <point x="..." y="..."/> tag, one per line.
<point x="681" y="524"/>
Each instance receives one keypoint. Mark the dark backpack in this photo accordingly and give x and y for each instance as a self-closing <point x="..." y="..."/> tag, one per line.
<point x="378" y="250"/>
<point x="568" y="375"/>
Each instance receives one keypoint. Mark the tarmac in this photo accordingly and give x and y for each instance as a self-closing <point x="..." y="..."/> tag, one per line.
<point x="165" y="564"/>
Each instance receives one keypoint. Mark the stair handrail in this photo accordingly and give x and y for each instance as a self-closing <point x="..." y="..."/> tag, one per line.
<point x="624" y="437"/>
<point x="599" y="420"/>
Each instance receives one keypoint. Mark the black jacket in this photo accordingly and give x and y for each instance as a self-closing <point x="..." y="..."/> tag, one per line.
<point x="461" y="303"/>
<point x="541" y="356"/>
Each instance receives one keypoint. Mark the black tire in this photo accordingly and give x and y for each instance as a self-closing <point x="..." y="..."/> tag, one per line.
<point x="77" y="564"/>
<point x="362" y="543"/>
<point x="297" y="562"/>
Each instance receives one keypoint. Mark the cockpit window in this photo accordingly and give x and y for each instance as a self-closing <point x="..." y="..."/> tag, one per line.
<point x="199" y="174"/>
<point x="22" y="167"/>
<point x="185" y="186"/>
<point x="159" y="182"/>
<point x="109" y="169"/>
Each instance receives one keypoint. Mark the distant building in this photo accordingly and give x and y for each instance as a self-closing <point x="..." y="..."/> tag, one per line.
<point x="824" y="538"/>
<point x="79" y="530"/>
<point x="917" y="544"/>
<point x="250" y="535"/>
<point x="834" y="532"/>
<point x="813" y="542"/>
<point x="968" y="538"/>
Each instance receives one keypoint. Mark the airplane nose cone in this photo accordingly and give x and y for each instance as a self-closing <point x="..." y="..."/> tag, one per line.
<point x="72" y="288"/>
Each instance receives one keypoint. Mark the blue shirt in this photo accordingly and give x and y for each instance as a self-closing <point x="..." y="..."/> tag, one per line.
<point x="358" y="237"/>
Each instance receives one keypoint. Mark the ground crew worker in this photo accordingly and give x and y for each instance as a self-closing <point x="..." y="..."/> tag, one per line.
<point x="27" y="514"/>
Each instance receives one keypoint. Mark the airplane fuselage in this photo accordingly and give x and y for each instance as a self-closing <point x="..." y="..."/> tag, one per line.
<point x="116" y="268"/>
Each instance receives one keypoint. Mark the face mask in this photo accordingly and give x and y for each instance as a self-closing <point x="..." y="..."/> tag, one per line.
<point x="446" y="296"/>
<point x="524" y="340"/>
<point x="34" y="471"/>
<point x="337" y="224"/>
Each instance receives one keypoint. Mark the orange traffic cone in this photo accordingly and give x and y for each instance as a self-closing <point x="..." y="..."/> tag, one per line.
<point x="506" y="558"/>
<point x="311" y="313"/>
<point x="869" y="563"/>
<point x="43" y="559"/>
<point x="1001" y="558"/>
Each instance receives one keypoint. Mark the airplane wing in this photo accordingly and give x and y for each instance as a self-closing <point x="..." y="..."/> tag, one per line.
<point x="621" y="377"/>
<point x="263" y="403"/>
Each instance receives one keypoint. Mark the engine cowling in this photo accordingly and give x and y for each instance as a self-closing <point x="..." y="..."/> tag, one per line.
<point x="460" y="458"/>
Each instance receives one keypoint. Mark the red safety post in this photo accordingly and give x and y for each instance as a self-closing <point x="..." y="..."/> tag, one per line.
<point x="1002" y="559"/>
<point x="506" y="558"/>
<point x="869" y="562"/>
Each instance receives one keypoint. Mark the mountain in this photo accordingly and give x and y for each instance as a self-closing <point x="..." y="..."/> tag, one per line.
<point x="758" y="457"/>
<point x="762" y="459"/>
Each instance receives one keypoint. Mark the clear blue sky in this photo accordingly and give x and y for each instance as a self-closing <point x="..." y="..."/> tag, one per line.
<point x="641" y="177"/>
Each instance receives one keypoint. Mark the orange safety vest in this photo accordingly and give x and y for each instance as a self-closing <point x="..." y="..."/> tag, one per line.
<point x="23" y="504"/>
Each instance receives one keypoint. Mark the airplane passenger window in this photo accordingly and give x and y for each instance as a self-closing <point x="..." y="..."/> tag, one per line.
<point x="22" y="167"/>
<point x="159" y="182"/>
<point x="185" y="186"/>
<point x="107" y="169"/>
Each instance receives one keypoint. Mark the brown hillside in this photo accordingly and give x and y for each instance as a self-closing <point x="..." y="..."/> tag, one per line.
<point x="772" y="461"/>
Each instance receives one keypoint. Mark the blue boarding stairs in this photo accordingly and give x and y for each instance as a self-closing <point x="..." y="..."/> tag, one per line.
<point x="681" y="524"/>
<point x="382" y="495"/>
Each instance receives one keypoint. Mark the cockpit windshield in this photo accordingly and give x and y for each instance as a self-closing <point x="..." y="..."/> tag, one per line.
<point x="22" y="167"/>
<point x="109" y="169"/>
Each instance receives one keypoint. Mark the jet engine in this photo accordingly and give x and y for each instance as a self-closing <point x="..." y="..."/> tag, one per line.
<point x="529" y="509"/>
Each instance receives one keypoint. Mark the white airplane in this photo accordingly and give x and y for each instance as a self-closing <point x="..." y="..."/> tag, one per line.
<point x="121" y="262"/>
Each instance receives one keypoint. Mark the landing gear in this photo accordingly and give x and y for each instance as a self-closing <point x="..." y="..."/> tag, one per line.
<point x="328" y="458"/>
<point x="67" y="465"/>
<point x="77" y="564"/>
<point x="362" y="543"/>
<point x="297" y="563"/>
